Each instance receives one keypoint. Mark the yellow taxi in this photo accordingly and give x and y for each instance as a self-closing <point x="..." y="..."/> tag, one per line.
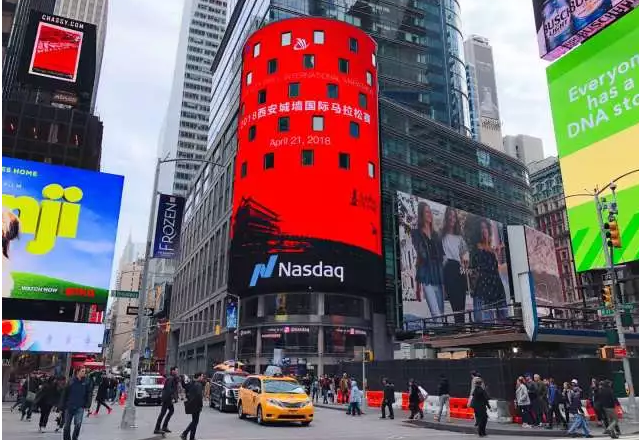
<point x="274" y="399"/>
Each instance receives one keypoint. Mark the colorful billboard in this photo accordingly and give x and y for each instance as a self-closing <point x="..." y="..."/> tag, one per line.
<point x="564" y="24"/>
<point x="594" y="95"/>
<point x="542" y="260"/>
<point x="56" y="53"/>
<point x="39" y="336"/>
<point x="452" y="262"/>
<point x="306" y="197"/>
<point x="168" y="226"/>
<point x="59" y="227"/>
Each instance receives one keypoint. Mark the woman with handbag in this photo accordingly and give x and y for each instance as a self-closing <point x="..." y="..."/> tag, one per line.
<point x="194" y="405"/>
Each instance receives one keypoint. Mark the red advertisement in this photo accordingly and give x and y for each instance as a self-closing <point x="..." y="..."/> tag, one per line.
<point x="56" y="52"/>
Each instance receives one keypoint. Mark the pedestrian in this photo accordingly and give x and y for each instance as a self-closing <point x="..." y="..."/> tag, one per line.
<point x="29" y="397"/>
<point x="414" y="400"/>
<point x="121" y="389"/>
<point x="169" y="397"/>
<point x="523" y="402"/>
<point x="331" y="391"/>
<point x="22" y="391"/>
<point x="388" y="399"/>
<point x="91" y="383"/>
<point x="101" y="396"/>
<point x="76" y="398"/>
<point x="207" y="389"/>
<point x="46" y="398"/>
<point x="541" y="408"/>
<point x="576" y="410"/>
<point x="443" y="391"/>
<point x="326" y="388"/>
<point x="533" y="395"/>
<point x="344" y="383"/>
<point x="608" y="403"/>
<point x="602" y="420"/>
<point x="554" y="398"/>
<point x="565" y="402"/>
<point x="193" y="405"/>
<point x="355" y="400"/>
<point x="61" y="384"/>
<point x="481" y="405"/>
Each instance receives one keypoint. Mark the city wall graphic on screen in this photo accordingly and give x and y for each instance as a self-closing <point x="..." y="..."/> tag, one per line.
<point x="306" y="202"/>
<point x="59" y="227"/>
<point x="594" y="95"/>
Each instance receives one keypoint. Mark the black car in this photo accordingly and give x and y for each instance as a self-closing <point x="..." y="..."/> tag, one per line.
<point x="225" y="388"/>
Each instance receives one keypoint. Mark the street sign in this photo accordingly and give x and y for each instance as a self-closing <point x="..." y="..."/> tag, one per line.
<point x="606" y="312"/>
<point x="627" y="307"/>
<point x="124" y="294"/>
<point x="132" y="310"/>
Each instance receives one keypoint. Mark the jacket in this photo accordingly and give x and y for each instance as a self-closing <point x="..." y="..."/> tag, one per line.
<point x="521" y="395"/>
<point x="343" y="385"/>
<point x="194" y="402"/>
<point x="443" y="388"/>
<point x="413" y="397"/>
<point x="554" y="394"/>
<point x="480" y="400"/>
<point x="48" y="394"/>
<point x="542" y="390"/>
<point x="574" y="401"/>
<point x="170" y="390"/>
<point x="76" y="395"/>
<point x="607" y="398"/>
<point x="103" y="389"/>
<point x="356" y="393"/>
<point x="389" y="393"/>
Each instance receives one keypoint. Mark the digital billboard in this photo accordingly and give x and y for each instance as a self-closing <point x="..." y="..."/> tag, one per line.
<point x="306" y="197"/>
<point x="59" y="228"/>
<point x="452" y="261"/>
<point x="564" y="24"/>
<point x="59" y="55"/>
<point x="594" y="96"/>
<point x="41" y="336"/>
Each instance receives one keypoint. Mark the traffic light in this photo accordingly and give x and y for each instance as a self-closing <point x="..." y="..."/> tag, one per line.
<point x="607" y="352"/>
<point x="606" y="296"/>
<point x="613" y="234"/>
<point x="368" y="356"/>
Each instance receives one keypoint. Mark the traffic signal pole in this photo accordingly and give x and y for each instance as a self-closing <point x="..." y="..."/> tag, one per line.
<point x="617" y="309"/>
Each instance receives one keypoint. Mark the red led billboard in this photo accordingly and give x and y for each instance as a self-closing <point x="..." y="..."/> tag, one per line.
<point x="56" y="52"/>
<point x="306" y="206"/>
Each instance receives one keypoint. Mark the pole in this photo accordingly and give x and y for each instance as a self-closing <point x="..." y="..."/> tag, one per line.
<point x="237" y="332"/>
<point x="622" y="337"/>
<point x="128" y="416"/>
<point x="364" y="376"/>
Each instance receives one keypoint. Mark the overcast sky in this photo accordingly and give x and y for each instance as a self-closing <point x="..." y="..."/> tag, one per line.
<point x="138" y="67"/>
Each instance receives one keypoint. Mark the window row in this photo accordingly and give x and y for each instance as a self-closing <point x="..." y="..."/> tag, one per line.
<point x="332" y="92"/>
<point x="307" y="158"/>
<point x="308" y="62"/>
<point x="317" y="124"/>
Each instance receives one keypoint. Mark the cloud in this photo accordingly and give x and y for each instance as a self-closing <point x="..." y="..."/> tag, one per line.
<point x="92" y="247"/>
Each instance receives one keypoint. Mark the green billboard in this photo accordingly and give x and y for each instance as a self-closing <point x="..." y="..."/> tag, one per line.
<point x="594" y="96"/>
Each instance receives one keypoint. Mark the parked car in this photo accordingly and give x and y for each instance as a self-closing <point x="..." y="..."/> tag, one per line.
<point x="224" y="389"/>
<point x="149" y="390"/>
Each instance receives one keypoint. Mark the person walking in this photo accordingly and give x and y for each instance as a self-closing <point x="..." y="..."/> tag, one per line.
<point x="443" y="391"/>
<point x="169" y="397"/>
<point x="388" y="399"/>
<point x="554" y="398"/>
<point x="414" y="400"/>
<point x="101" y="396"/>
<point x="481" y="405"/>
<point x="193" y="406"/>
<point x="76" y="398"/>
<point x="533" y="395"/>
<point x="343" y="396"/>
<point x="207" y="389"/>
<point x="541" y="408"/>
<point x="46" y="399"/>
<point x="22" y="391"/>
<point x="602" y="420"/>
<point x="565" y="402"/>
<point x="576" y="410"/>
<point x="31" y="387"/>
<point x="355" y="400"/>
<point x="326" y="387"/>
<point x="315" y="390"/>
<point x="523" y="402"/>
<point x="608" y="403"/>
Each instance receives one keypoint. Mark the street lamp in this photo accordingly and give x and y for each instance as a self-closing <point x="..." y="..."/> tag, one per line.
<point x="128" y="416"/>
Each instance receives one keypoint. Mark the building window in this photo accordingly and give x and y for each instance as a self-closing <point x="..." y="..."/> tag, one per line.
<point x="318" y="123"/>
<point x="352" y="44"/>
<point x="272" y="65"/>
<point x="243" y="169"/>
<point x="293" y="90"/>
<point x="256" y="50"/>
<point x="309" y="61"/>
<point x="286" y="39"/>
<point x="374" y="59"/>
<point x="261" y="96"/>
<point x="343" y="65"/>
<point x="307" y="157"/>
<point x="371" y="170"/>
<point x="369" y="79"/>
<point x="318" y="37"/>
<point x="284" y="123"/>
<point x="252" y="132"/>
<point x="332" y="91"/>
<point x="344" y="161"/>
<point x="363" y="101"/>
<point x="249" y="78"/>
<point x="269" y="161"/>
<point x="354" y="129"/>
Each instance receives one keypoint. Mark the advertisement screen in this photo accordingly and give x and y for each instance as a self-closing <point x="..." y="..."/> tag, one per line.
<point x="306" y="197"/>
<point x="564" y="24"/>
<point x="487" y="88"/>
<point x="38" y="336"/>
<point x="59" y="227"/>
<point x="168" y="226"/>
<point x="594" y="96"/>
<point x="231" y="314"/>
<point x="56" y="52"/>
<point x="452" y="262"/>
<point x="542" y="261"/>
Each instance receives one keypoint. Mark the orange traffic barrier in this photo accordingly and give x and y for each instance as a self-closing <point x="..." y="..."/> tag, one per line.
<point x="374" y="398"/>
<point x="122" y="399"/>
<point x="459" y="408"/>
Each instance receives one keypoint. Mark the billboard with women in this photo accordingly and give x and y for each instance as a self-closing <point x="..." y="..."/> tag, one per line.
<point x="453" y="264"/>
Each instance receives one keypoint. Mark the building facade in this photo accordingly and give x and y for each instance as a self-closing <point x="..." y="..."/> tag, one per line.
<point x="185" y="128"/>
<point x="482" y="87"/>
<point x="419" y="155"/>
<point x="527" y="149"/>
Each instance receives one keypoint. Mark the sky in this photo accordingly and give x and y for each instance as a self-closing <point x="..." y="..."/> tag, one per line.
<point x="137" y="73"/>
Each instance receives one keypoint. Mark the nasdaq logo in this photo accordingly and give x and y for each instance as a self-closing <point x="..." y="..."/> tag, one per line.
<point x="290" y="270"/>
<point x="263" y="270"/>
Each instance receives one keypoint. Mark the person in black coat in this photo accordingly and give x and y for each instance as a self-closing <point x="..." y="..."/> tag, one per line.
<point x="46" y="398"/>
<point x="101" y="396"/>
<point x="193" y="405"/>
<point x="388" y="399"/>
<point x="608" y="402"/>
<point x="443" y="391"/>
<point x="414" y="399"/>
<point x="480" y="404"/>
<point x="169" y="396"/>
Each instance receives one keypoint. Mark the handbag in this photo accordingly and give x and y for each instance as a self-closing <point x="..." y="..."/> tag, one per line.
<point x="31" y="396"/>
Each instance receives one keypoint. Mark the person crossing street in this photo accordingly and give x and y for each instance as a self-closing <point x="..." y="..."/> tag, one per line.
<point x="193" y="406"/>
<point x="388" y="399"/>
<point x="76" y="398"/>
<point x="169" y="396"/>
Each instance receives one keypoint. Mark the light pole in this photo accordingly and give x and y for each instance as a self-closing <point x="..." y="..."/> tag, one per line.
<point x="128" y="416"/>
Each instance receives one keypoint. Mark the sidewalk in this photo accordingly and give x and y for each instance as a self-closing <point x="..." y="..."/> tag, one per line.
<point x="468" y="426"/>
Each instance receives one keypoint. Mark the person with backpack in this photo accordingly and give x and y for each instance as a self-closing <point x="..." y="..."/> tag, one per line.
<point x="194" y="405"/>
<point x="576" y="410"/>
<point x="388" y="399"/>
<point x="415" y="398"/>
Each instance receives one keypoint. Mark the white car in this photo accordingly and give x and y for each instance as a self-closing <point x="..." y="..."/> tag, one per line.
<point x="149" y="390"/>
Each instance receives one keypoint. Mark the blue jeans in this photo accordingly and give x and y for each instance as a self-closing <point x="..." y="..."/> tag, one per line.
<point x="76" y="415"/>
<point x="579" y="422"/>
<point x="434" y="298"/>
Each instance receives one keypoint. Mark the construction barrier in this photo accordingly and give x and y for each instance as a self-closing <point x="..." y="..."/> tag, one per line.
<point x="374" y="398"/>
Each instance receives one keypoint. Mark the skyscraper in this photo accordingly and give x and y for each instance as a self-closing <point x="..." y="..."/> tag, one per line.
<point x="526" y="148"/>
<point x="94" y="12"/>
<point x="482" y="86"/>
<point x="185" y="129"/>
